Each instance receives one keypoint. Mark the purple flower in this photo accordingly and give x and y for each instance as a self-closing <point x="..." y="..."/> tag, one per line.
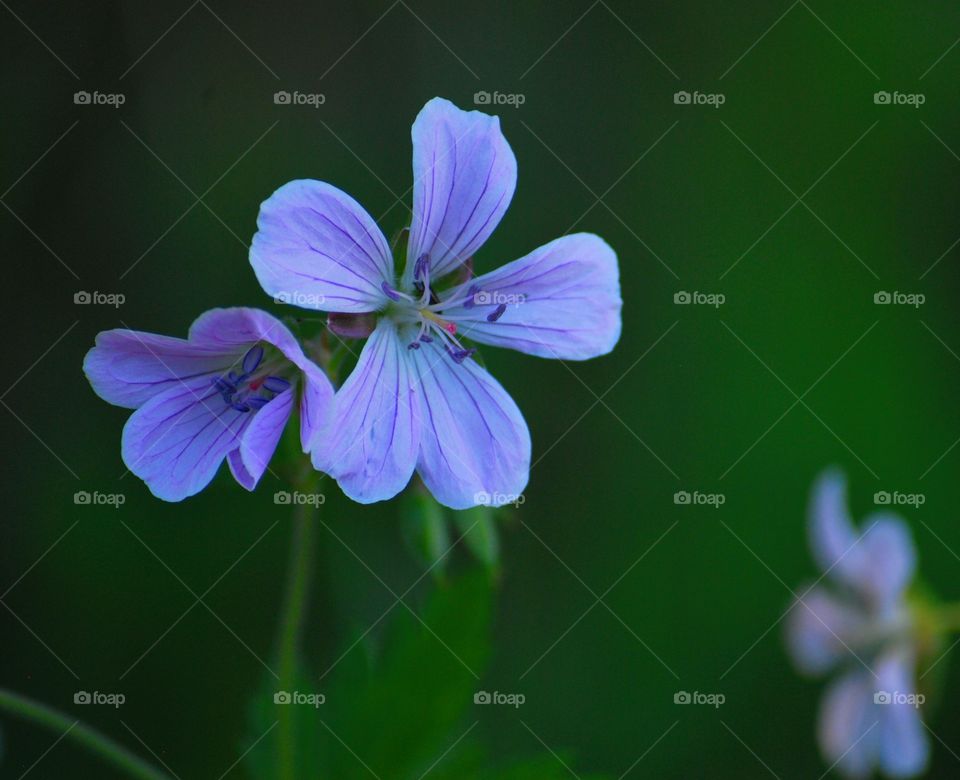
<point x="869" y="716"/>
<point x="224" y="392"/>
<point x="417" y="399"/>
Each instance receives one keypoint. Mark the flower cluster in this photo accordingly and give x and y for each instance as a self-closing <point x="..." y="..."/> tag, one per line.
<point x="417" y="399"/>
<point x="860" y="621"/>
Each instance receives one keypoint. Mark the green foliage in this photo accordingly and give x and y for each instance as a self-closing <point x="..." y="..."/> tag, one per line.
<point x="479" y="529"/>
<point x="398" y="709"/>
<point x="424" y="528"/>
<point x="402" y="708"/>
<point x="264" y="718"/>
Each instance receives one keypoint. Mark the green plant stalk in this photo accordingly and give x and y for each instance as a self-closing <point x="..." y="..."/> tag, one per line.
<point x="93" y="740"/>
<point x="303" y="539"/>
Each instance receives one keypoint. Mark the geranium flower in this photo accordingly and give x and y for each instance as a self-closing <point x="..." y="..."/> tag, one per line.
<point x="224" y="392"/>
<point x="417" y="399"/>
<point x="870" y="715"/>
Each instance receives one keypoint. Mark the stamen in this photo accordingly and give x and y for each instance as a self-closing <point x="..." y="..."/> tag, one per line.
<point x="471" y="301"/>
<point x="421" y="268"/>
<point x="240" y="391"/>
<point x="275" y="384"/>
<point x="459" y="355"/>
<point x="390" y="292"/>
<point x="252" y="359"/>
<point x="449" y="327"/>
<point x="497" y="313"/>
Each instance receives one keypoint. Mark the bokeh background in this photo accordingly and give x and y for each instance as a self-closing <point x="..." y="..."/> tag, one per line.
<point x="798" y="200"/>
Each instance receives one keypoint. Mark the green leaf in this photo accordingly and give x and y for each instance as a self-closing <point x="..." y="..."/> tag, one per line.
<point x="545" y="767"/>
<point x="266" y="709"/>
<point x="479" y="529"/>
<point x="424" y="528"/>
<point x="401" y="711"/>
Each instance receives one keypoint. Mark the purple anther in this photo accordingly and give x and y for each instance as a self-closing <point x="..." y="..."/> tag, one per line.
<point x="459" y="355"/>
<point x="252" y="359"/>
<point x="471" y="297"/>
<point x="275" y="384"/>
<point x="421" y="268"/>
<point x="497" y="313"/>
<point x="392" y="294"/>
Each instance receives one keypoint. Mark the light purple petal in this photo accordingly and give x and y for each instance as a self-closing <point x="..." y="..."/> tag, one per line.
<point x="848" y="726"/>
<point x="259" y="440"/>
<point x="560" y="301"/>
<point x="877" y="561"/>
<point x="128" y="367"/>
<point x="464" y="175"/>
<point x="904" y="748"/>
<point x="888" y="560"/>
<point x="835" y="543"/>
<point x="317" y="248"/>
<point x="316" y="402"/>
<point x="241" y="327"/>
<point x="370" y="443"/>
<point x="819" y="629"/>
<point x="474" y="445"/>
<point x="176" y="441"/>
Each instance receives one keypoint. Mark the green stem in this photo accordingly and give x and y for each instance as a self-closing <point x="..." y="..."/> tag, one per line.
<point x="291" y="623"/>
<point x="91" y="739"/>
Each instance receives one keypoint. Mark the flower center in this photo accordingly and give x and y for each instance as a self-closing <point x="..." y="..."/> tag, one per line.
<point x="423" y="308"/>
<point x="256" y="385"/>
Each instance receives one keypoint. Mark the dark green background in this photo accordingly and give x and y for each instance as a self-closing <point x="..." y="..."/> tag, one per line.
<point x="598" y="497"/>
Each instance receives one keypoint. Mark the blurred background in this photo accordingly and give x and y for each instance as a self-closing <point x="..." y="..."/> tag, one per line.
<point x="782" y="185"/>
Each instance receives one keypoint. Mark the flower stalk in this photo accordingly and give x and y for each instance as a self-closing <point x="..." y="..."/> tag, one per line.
<point x="114" y="753"/>
<point x="302" y="543"/>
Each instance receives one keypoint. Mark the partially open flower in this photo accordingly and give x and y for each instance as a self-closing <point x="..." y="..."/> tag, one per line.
<point x="226" y="391"/>
<point x="870" y="716"/>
